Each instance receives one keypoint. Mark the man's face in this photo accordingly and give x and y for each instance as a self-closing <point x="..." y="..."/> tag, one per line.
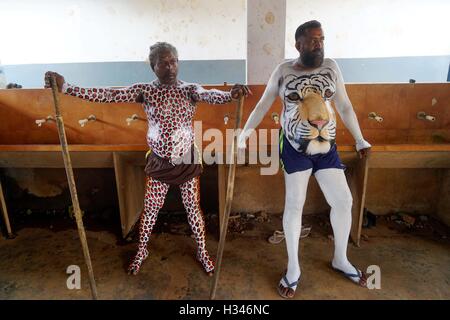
<point x="166" y="68"/>
<point x="310" y="47"/>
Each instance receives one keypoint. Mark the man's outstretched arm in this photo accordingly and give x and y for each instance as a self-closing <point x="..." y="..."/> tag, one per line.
<point x="214" y="96"/>
<point x="129" y="94"/>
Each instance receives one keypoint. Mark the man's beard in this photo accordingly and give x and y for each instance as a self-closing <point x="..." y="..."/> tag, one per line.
<point x="312" y="59"/>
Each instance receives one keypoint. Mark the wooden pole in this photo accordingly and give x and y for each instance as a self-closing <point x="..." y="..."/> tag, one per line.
<point x="229" y="198"/>
<point x="5" y="213"/>
<point x="72" y="187"/>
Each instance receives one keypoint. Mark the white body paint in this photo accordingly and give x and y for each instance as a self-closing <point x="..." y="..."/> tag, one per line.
<point x="328" y="81"/>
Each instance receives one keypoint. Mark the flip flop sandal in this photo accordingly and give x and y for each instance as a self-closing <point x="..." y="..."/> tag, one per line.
<point x="353" y="276"/>
<point x="291" y="292"/>
<point x="305" y="231"/>
<point x="278" y="236"/>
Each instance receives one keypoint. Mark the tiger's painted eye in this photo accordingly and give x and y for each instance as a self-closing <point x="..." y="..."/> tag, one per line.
<point x="293" y="96"/>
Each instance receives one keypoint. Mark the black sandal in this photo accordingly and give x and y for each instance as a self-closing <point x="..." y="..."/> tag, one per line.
<point x="290" y="292"/>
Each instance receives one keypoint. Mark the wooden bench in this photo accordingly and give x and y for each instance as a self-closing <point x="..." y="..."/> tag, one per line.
<point x="127" y="161"/>
<point x="108" y="142"/>
<point x="400" y="141"/>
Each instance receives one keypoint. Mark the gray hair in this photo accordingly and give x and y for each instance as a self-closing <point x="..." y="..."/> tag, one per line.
<point x="157" y="49"/>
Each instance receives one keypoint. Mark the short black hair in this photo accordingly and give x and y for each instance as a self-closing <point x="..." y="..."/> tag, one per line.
<point x="301" y="30"/>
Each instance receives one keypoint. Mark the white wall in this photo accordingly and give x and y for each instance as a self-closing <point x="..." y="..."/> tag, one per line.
<point x="374" y="28"/>
<point x="60" y="31"/>
<point x="265" y="38"/>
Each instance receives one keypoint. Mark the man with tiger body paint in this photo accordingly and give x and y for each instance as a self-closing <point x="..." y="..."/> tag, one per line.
<point x="307" y="86"/>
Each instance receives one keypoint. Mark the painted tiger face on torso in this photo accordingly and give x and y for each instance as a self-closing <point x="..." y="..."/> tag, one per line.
<point x="309" y="122"/>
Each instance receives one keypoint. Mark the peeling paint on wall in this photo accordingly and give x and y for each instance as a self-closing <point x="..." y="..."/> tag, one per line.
<point x="270" y="17"/>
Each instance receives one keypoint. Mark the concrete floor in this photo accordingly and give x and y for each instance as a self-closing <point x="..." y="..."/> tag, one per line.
<point x="33" y="266"/>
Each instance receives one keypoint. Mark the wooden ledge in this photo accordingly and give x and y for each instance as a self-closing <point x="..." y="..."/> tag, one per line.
<point x="140" y="147"/>
<point x="74" y="147"/>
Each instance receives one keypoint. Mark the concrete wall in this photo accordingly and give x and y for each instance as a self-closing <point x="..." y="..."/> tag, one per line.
<point x="374" y="29"/>
<point x="126" y="73"/>
<point x="106" y="42"/>
<point x="68" y="31"/>
<point x="266" y="24"/>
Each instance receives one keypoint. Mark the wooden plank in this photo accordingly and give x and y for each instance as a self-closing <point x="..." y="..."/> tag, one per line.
<point x="358" y="185"/>
<point x="420" y="98"/>
<point x="381" y="136"/>
<point x="388" y="101"/>
<point x="428" y="136"/>
<point x="398" y="104"/>
<point x="222" y="184"/>
<point x="412" y="148"/>
<point x="415" y="190"/>
<point x="413" y="159"/>
<point x="116" y="128"/>
<point x="144" y="148"/>
<point x="72" y="186"/>
<point x="130" y="182"/>
<point x="81" y="147"/>
<point x="443" y="203"/>
<point x="5" y="213"/>
<point x="31" y="159"/>
<point x="228" y="198"/>
<point x="384" y="156"/>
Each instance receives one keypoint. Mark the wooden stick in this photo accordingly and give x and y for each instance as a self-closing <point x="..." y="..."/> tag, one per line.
<point x="5" y="213"/>
<point x="229" y="199"/>
<point x="72" y="187"/>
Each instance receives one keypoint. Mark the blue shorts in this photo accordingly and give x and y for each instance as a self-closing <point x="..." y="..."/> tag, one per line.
<point x="294" y="161"/>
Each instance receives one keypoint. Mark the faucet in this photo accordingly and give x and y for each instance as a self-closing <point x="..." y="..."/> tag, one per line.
<point x="276" y="117"/>
<point x="375" y="117"/>
<point x="40" y="122"/>
<point x="83" y="122"/>
<point x="423" y="116"/>
<point x="134" y="117"/>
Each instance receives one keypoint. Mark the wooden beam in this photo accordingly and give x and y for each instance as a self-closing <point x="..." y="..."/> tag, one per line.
<point x="358" y="186"/>
<point x="54" y="159"/>
<point x="72" y="148"/>
<point x="5" y="213"/>
<point x="410" y="159"/>
<point x="130" y="181"/>
<point x="222" y="183"/>
<point x="72" y="187"/>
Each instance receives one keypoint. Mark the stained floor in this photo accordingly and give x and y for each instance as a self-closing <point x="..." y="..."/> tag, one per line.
<point x="414" y="262"/>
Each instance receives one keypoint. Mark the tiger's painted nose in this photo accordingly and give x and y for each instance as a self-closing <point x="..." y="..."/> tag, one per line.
<point x="319" y="123"/>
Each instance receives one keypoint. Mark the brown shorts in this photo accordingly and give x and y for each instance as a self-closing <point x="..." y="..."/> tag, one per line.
<point x="161" y="169"/>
